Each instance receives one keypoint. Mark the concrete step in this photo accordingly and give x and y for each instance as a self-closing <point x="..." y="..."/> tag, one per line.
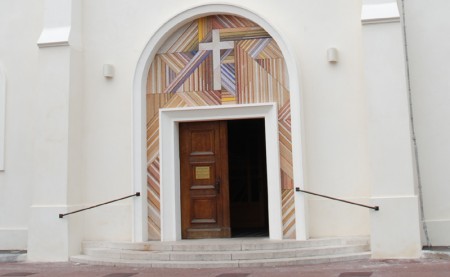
<point x="223" y="255"/>
<point x="225" y="244"/>
<point x="224" y="252"/>
<point x="221" y="264"/>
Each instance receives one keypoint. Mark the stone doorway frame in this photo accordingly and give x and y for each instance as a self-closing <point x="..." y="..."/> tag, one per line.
<point x="170" y="162"/>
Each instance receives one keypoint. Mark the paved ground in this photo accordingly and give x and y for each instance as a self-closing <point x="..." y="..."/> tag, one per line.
<point x="372" y="268"/>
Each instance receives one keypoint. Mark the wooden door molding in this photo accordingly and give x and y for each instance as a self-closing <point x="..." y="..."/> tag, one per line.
<point x="204" y="180"/>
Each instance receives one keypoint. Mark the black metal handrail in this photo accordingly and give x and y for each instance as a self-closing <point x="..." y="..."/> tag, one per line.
<point x="376" y="208"/>
<point x="95" y="206"/>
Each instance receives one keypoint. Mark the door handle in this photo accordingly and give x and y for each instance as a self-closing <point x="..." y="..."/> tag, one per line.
<point x="218" y="185"/>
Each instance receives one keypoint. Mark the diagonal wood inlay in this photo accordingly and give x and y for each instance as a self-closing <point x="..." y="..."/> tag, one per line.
<point x="253" y="71"/>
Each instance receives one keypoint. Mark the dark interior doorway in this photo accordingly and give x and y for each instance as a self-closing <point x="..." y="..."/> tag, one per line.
<point x="247" y="178"/>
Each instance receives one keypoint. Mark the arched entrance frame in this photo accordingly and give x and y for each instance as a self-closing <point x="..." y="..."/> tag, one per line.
<point x="140" y="232"/>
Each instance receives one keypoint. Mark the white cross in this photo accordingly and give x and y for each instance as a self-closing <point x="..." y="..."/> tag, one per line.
<point x="216" y="45"/>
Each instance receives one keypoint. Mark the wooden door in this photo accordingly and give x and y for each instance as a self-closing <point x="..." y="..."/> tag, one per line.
<point x="204" y="180"/>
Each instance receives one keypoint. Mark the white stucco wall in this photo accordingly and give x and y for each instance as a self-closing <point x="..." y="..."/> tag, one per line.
<point x="395" y="228"/>
<point x="20" y="26"/>
<point x="427" y="28"/>
<point x="335" y="111"/>
<point x="334" y="105"/>
<point x="100" y="132"/>
<point x="334" y="114"/>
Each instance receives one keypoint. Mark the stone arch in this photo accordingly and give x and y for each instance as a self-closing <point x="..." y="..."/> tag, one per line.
<point x="146" y="170"/>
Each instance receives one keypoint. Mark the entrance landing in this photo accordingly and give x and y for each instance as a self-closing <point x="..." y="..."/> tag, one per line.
<point x="216" y="253"/>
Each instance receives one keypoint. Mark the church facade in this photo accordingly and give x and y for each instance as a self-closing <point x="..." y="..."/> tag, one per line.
<point x="216" y="113"/>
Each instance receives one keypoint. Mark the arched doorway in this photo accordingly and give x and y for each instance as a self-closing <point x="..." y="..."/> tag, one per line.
<point x="184" y="73"/>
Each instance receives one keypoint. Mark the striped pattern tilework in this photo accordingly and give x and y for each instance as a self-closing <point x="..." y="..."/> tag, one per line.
<point x="253" y="71"/>
<point x="153" y="208"/>
<point x="288" y="213"/>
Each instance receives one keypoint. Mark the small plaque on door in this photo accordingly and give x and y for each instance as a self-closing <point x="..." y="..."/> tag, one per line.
<point x="202" y="172"/>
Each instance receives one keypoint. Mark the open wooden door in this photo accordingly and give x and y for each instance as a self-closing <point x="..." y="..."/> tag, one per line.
<point x="204" y="180"/>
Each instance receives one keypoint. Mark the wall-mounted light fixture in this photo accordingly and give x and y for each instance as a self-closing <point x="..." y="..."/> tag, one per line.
<point x="332" y="55"/>
<point x="108" y="70"/>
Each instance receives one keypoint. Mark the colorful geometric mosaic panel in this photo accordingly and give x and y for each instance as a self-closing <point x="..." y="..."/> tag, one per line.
<point x="218" y="60"/>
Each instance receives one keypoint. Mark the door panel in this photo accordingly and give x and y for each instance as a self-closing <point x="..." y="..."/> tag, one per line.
<point x="204" y="180"/>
